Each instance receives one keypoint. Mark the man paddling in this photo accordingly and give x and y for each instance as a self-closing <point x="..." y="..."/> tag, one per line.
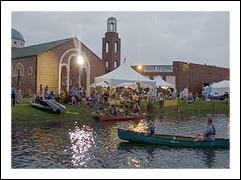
<point x="209" y="133"/>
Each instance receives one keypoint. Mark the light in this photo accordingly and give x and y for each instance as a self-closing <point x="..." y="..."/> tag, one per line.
<point x="80" y="60"/>
<point x="139" y="67"/>
<point x="164" y="87"/>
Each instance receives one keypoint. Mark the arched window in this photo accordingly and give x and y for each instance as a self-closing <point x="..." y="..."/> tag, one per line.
<point x="107" y="47"/>
<point x="112" y="26"/>
<point x="30" y="71"/>
<point x="115" y="64"/>
<point x="18" y="76"/>
<point x="116" y="47"/>
<point x="21" y="71"/>
<point x="106" y="64"/>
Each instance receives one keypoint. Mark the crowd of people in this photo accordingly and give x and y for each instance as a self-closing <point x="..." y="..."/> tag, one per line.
<point x="122" y="102"/>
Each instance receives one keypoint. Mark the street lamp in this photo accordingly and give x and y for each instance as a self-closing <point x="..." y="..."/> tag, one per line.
<point x="80" y="60"/>
<point x="139" y="67"/>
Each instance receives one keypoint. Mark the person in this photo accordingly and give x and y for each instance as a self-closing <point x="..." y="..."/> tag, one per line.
<point x="113" y="110"/>
<point x="13" y="95"/>
<point x="62" y="96"/>
<point x="151" y="129"/>
<point x="41" y="92"/>
<point x="210" y="131"/>
<point x="46" y="92"/>
<point x="18" y="96"/>
<point x="106" y="99"/>
<point x="51" y="96"/>
<point x="136" y="108"/>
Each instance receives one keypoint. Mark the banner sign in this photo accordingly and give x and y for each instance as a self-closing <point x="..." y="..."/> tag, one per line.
<point x="158" y="68"/>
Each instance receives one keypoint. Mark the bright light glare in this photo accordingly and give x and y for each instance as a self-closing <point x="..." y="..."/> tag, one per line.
<point x="80" y="60"/>
<point x="139" y="67"/>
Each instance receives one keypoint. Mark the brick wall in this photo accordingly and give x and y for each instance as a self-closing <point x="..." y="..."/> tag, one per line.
<point x="27" y="79"/>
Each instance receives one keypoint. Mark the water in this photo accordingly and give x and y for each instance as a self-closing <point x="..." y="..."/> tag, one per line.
<point x="96" y="145"/>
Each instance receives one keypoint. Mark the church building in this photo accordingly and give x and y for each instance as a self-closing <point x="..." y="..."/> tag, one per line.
<point x="64" y="63"/>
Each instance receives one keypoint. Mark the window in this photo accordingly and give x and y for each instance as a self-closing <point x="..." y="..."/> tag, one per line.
<point x="115" y="64"/>
<point x="106" y="47"/>
<point x="116" y="47"/>
<point x="106" y="64"/>
<point x="112" y="27"/>
<point x="30" y="71"/>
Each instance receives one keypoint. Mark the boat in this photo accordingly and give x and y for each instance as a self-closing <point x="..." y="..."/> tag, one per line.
<point x="172" y="140"/>
<point x="48" y="106"/>
<point x="118" y="118"/>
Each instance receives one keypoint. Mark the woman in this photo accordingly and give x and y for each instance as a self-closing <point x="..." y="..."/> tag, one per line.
<point x="136" y="108"/>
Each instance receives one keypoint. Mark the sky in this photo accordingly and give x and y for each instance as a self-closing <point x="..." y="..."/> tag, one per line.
<point x="146" y="37"/>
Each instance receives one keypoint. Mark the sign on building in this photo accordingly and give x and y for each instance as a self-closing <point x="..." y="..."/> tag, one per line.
<point x="158" y="68"/>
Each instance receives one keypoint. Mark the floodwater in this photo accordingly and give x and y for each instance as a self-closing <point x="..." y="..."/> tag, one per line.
<point x="96" y="145"/>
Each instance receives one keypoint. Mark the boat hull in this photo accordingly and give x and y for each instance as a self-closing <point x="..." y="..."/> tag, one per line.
<point x="172" y="140"/>
<point x="48" y="106"/>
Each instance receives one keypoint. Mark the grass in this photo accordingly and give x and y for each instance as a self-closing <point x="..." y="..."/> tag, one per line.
<point x="25" y="114"/>
<point x="182" y="109"/>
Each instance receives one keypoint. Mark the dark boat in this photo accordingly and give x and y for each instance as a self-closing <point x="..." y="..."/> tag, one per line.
<point x="49" y="106"/>
<point x="172" y="140"/>
<point x="119" y="118"/>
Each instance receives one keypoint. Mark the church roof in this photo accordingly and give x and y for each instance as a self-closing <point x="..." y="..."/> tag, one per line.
<point x="17" y="35"/>
<point x="37" y="49"/>
<point x="111" y="19"/>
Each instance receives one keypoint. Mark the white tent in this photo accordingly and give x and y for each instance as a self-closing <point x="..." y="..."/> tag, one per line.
<point x="163" y="84"/>
<point x="100" y="84"/>
<point x="124" y="74"/>
<point x="128" y="84"/>
<point x="220" y="87"/>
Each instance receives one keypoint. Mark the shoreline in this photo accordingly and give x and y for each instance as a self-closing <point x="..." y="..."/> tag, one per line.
<point x="24" y="114"/>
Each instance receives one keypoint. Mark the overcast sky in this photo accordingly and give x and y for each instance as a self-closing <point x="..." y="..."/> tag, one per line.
<point x="146" y="37"/>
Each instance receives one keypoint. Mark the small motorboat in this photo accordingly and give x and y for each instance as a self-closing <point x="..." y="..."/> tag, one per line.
<point x="172" y="140"/>
<point x="49" y="106"/>
<point x="118" y="118"/>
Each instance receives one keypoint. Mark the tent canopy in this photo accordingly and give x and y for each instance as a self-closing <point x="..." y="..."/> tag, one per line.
<point x="124" y="74"/>
<point x="221" y="84"/>
<point x="100" y="84"/>
<point x="163" y="84"/>
<point x="218" y="88"/>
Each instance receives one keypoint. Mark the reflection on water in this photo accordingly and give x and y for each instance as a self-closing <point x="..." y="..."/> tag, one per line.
<point x="96" y="145"/>
<point x="209" y="157"/>
<point x="81" y="140"/>
<point x="140" y="127"/>
<point x="133" y="162"/>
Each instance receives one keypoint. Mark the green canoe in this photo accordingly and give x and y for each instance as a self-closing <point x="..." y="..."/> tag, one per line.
<point x="172" y="140"/>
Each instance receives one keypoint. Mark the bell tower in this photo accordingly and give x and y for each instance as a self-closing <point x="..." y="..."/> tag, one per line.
<point x="111" y="46"/>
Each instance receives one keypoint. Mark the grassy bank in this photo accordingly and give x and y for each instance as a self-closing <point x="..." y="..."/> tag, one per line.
<point x="24" y="114"/>
<point x="177" y="109"/>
